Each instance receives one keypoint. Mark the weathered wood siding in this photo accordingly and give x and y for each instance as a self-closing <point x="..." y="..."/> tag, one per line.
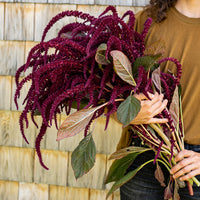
<point x="21" y="176"/>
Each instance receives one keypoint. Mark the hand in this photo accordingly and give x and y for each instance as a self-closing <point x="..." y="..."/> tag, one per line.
<point x="150" y="108"/>
<point x="188" y="165"/>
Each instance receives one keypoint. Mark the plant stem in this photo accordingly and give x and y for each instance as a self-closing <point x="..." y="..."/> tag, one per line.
<point x="161" y="134"/>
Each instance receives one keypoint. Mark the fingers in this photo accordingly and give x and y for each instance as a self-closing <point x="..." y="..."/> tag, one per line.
<point x="157" y="120"/>
<point x="150" y="107"/>
<point x="188" y="165"/>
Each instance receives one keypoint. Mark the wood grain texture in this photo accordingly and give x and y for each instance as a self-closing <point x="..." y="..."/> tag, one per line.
<point x="32" y="1"/>
<point x="94" y="179"/>
<point x="5" y="92"/>
<point x="78" y="193"/>
<point x="9" y="131"/>
<point x="1" y="20"/>
<point x="9" y="190"/>
<point x="70" y="143"/>
<point x="33" y="191"/>
<point x="122" y="9"/>
<point x="23" y="94"/>
<point x="44" y="13"/>
<point x="94" y="10"/>
<point x="116" y="195"/>
<point x="19" y="21"/>
<point x="99" y="195"/>
<point x="6" y="0"/>
<point x="16" y="164"/>
<point x="11" y="56"/>
<point x="113" y="134"/>
<point x="73" y="1"/>
<point x="57" y="162"/>
<point x="105" y="141"/>
<point x="108" y="164"/>
<point x="68" y="193"/>
<point x="49" y="139"/>
<point x="140" y="2"/>
<point x="10" y="134"/>
<point x="114" y="2"/>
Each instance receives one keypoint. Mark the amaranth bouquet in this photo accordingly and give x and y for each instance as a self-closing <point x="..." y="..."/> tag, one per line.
<point x="96" y="66"/>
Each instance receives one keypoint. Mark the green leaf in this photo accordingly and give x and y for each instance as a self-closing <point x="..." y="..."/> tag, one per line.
<point x="126" y="178"/>
<point x="123" y="67"/>
<point x="146" y="61"/>
<point x="128" y="110"/>
<point x="119" y="167"/>
<point x="127" y="150"/>
<point x="100" y="56"/>
<point x="83" y="157"/>
<point x="76" y="122"/>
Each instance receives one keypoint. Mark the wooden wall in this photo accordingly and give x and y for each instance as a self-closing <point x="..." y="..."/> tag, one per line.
<point x="21" y="176"/>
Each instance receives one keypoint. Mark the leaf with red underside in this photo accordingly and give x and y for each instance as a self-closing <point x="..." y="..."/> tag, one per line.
<point x="76" y="122"/>
<point x="123" y="67"/>
<point x="100" y="56"/>
<point x="174" y="107"/>
<point x="159" y="175"/>
<point x="157" y="47"/>
<point x="156" y="78"/>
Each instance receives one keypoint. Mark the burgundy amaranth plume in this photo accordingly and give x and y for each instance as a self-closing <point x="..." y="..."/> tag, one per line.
<point x="70" y="74"/>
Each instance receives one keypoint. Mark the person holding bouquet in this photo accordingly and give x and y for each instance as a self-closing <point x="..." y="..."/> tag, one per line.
<point x="177" y="23"/>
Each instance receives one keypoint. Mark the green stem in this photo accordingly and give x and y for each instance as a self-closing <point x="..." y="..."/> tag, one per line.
<point x="161" y="134"/>
<point x="196" y="181"/>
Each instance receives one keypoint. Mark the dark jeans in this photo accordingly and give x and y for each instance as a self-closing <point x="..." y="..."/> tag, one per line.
<point x="144" y="186"/>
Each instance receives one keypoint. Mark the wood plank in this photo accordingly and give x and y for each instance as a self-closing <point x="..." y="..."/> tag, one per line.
<point x="32" y="1"/>
<point x="23" y="93"/>
<point x="114" y="2"/>
<point x="46" y="12"/>
<point x="105" y="141"/>
<point x="122" y="9"/>
<point x="6" y="0"/>
<point x="57" y="162"/>
<point x="9" y="131"/>
<point x="5" y="92"/>
<point x="10" y="134"/>
<point x="68" y="193"/>
<point x="108" y="164"/>
<point x="113" y="134"/>
<point x="19" y="21"/>
<point x="16" y="164"/>
<point x="116" y="195"/>
<point x="33" y="191"/>
<point x="11" y="56"/>
<point x="1" y="20"/>
<point x="94" y="10"/>
<point x="99" y="195"/>
<point x="94" y="179"/>
<point x="140" y="3"/>
<point x="49" y="139"/>
<point x="9" y="190"/>
<point x="70" y="143"/>
<point x="58" y="192"/>
<point x="72" y="1"/>
<point x="78" y="193"/>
